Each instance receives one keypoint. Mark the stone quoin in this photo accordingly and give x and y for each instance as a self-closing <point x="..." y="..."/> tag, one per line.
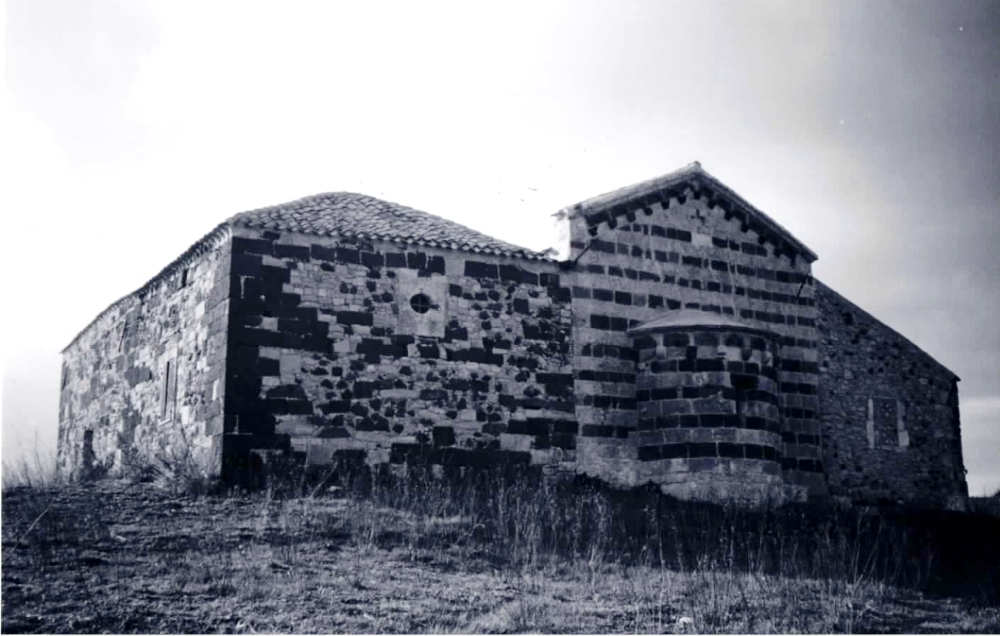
<point x="680" y="340"/>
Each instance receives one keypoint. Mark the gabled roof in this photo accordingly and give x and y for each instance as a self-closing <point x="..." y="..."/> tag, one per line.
<point x="345" y="214"/>
<point x="607" y="207"/>
<point x="359" y="215"/>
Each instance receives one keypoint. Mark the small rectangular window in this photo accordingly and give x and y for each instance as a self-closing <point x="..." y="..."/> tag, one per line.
<point x="886" y="423"/>
<point x="87" y="452"/>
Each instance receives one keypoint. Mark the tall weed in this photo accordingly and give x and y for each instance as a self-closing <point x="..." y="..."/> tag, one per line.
<point x="37" y="469"/>
<point x="523" y="521"/>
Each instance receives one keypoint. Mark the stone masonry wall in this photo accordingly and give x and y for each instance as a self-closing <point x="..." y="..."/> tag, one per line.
<point x="678" y="250"/>
<point x="709" y="423"/>
<point x="390" y="353"/>
<point x="890" y="412"/>
<point x="258" y="342"/>
<point x="143" y="384"/>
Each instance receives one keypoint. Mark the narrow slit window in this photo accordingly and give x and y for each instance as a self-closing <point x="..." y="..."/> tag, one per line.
<point x="169" y="391"/>
<point x="121" y="341"/>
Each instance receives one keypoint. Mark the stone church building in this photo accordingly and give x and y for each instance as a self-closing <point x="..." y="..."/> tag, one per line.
<point x="682" y="341"/>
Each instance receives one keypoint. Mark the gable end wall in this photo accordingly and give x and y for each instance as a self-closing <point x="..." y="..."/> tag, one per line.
<point x="891" y="428"/>
<point x="684" y="252"/>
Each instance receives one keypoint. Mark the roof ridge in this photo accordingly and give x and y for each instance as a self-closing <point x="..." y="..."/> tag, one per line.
<point x="622" y="194"/>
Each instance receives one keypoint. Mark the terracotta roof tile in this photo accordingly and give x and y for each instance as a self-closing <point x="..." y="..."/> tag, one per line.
<point x="363" y="216"/>
<point x="344" y="214"/>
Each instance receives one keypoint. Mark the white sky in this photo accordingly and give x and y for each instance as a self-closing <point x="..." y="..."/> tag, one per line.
<point x="869" y="130"/>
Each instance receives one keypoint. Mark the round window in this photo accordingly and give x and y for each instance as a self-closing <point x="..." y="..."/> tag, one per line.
<point x="421" y="303"/>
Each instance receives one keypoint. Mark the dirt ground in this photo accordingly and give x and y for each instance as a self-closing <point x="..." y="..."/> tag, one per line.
<point x="127" y="558"/>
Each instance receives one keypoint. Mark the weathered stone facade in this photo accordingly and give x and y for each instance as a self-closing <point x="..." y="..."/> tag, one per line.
<point x="329" y="356"/>
<point x="639" y="256"/>
<point x="683" y="342"/>
<point x="144" y="382"/>
<point x="708" y="403"/>
<point x="890" y="412"/>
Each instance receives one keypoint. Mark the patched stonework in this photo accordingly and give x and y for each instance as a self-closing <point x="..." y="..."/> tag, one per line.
<point x="682" y="342"/>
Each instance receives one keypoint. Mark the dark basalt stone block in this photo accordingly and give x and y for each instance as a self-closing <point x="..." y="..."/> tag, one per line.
<point x="435" y="264"/>
<point x="322" y="253"/>
<point x="395" y="260"/>
<point x="443" y="436"/>
<point x="288" y="407"/>
<point x="372" y="259"/>
<point x="354" y="318"/>
<point x="416" y="260"/>
<point x="298" y="252"/>
<point x="288" y="391"/>
<point x="333" y="432"/>
<point x="476" y="269"/>
<point x="335" y="406"/>
<point x="373" y="422"/>
<point x="348" y="255"/>
<point x="243" y="245"/>
<point x="649" y="453"/>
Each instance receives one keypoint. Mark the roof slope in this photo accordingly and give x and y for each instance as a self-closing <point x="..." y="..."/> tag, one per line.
<point x="625" y="200"/>
<point x="359" y="215"/>
<point x="345" y="214"/>
<point x="824" y="289"/>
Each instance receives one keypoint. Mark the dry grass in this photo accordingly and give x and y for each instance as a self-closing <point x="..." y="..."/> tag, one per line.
<point x="986" y="505"/>
<point x="34" y="470"/>
<point x="426" y="556"/>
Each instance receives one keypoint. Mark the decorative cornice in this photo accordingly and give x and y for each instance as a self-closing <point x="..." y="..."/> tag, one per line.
<point x="694" y="182"/>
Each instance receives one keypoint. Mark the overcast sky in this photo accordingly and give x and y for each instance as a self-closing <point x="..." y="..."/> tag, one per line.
<point x="869" y="129"/>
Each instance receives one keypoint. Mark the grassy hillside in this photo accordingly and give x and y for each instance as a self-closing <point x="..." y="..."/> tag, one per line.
<point x="476" y="555"/>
